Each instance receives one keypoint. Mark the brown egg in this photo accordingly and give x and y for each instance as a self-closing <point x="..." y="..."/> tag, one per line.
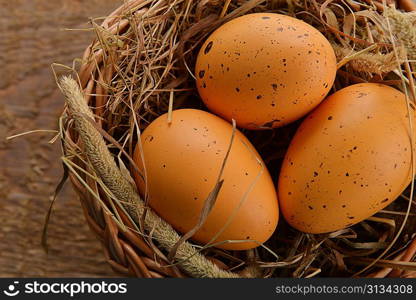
<point x="183" y="161"/>
<point x="350" y="158"/>
<point x="264" y="70"/>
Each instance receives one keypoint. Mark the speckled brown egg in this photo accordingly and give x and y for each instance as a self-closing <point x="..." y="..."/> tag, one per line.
<point x="183" y="161"/>
<point x="264" y="70"/>
<point x="350" y="158"/>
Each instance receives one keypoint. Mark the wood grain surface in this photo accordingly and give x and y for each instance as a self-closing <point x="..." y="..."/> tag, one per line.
<point x="32" y="36"/>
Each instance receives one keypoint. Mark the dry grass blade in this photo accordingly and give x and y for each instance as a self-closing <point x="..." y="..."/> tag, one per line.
<point x="391" y="264"/>
<point x="368" y="245"/>
<point x="30" y="132"/>
<point x="208" y="205"/>
<point x="353" y="56"/>
<point x="44" y="238"/>
<point x="387" y="221"/>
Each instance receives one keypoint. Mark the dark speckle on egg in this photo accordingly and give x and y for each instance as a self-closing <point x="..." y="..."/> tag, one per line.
<point x="208" y="47"/>
<point x="150" y="138"/>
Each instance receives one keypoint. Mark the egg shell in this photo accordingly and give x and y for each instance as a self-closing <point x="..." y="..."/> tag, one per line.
<point x="183" y="161"/>
<point x="264" y="70"/>
<point x="350" y="158"/>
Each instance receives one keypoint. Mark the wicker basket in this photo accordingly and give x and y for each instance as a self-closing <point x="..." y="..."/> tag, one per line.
<point x="127" y="252"/>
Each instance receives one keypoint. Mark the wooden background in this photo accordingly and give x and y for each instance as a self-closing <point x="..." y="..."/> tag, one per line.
<point x="31" y="38"/>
